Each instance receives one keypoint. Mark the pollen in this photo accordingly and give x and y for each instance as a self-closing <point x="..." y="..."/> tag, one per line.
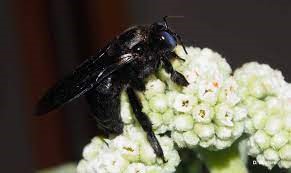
<point x="215" y="84"/>
<point x="185" y="103"/>
<point x="202" y="113"/>
<point x="128" y="149"/>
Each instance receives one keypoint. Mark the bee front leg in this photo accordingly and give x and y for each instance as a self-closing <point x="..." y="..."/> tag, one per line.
<point x="144" y="122"/>
<point x="176" y="77"/>
<point x="174" y="55"/>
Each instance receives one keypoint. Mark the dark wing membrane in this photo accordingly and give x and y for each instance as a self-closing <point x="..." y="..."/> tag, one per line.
<point x="85" y="77"/>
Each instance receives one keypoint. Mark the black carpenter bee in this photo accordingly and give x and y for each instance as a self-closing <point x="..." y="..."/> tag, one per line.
<point x="121" y="65"/>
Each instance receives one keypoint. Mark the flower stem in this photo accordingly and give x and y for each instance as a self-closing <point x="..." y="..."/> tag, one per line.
<point x="224" y="161"/>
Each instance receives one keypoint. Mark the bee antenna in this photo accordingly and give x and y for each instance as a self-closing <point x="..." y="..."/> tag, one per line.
<point x="165" y="19"/>
<point x="180" y="40"/>
<point x="167" y="26"/>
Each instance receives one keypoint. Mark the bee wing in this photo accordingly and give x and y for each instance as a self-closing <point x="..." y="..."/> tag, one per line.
<point x="89" y="74"/>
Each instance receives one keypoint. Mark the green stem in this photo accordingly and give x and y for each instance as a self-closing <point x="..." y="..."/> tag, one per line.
<point x="224" y="161"/>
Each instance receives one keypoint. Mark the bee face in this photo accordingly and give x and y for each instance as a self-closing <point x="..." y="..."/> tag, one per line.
<point x="162" y="38"/>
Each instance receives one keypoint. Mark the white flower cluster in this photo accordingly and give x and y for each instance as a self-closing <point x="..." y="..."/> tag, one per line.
<point x="207" y="112"/>
<point x="259" y="80"/>
<point x="269" y="114"/>
<point x="127" y="153"/>
<point x="212" y="112"/>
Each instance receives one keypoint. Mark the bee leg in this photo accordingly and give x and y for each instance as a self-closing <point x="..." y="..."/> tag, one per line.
<point x="174" y="55"/>
<point x="137" y="84"/>
<point x="144" y="122"/>
<point x="176" y="77"/>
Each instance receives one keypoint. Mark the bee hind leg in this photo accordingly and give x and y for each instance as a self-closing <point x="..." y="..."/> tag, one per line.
<point x="145" y="123"/>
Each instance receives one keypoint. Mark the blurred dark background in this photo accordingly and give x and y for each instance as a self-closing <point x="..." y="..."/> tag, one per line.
<point x="42" y="40"/>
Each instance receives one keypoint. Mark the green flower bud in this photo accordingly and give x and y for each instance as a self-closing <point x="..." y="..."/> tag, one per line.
<point x="224" y="115"/>
<point x="158" y="103"/>
<point x="273" y="125"/>
<point x="156" y="119"/>
<point x="183" y="122"/>
<point x="285" y="152"/>
<point x="204" y="131"/>
<point x="262" y="139"/>
<point x="191" y="139"/>
<point x="279" y="140"/>
<point x="223" y="132"/>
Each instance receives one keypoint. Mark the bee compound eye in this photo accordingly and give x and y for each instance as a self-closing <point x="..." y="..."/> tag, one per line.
<point x="167" y="40"/>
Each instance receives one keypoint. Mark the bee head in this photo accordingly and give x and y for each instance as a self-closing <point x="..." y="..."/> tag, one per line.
<point x="163" y="38"/>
